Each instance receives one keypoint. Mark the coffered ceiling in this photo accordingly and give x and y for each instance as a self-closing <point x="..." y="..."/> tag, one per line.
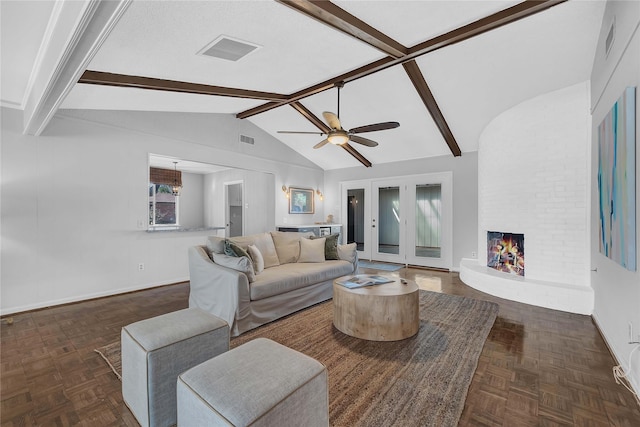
<point x="454" y="90"/>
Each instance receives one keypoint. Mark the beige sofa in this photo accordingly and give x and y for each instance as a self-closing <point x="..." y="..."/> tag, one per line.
<point x="295" y="276"/>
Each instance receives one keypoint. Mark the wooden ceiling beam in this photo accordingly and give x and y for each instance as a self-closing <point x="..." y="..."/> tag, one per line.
<point x="324" y="128"/>
<point x="491" y="22"/>
<point x="312" y="90"/>
<point x="307" y="114"/>
<point x="416" y="77"/>
<point x="138" y="82"/>
<point x="335" y="17"/>
<point x="338" y="18"/>
<point x="355" y="153"/>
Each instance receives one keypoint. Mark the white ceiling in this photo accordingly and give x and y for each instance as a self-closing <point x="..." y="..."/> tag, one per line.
<point x="22" y="29"/>
<point x="472" y="81"/>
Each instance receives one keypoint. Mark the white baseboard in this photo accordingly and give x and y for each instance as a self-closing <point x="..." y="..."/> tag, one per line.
<point x="634" y="380"/>
<point x="79" y="298"/>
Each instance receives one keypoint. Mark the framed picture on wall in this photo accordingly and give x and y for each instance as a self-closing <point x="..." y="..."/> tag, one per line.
<point x="300" y="201"/>
<point x="617" y="181"/>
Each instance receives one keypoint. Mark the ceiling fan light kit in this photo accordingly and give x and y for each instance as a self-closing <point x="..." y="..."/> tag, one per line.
<point x="338" y="137"/>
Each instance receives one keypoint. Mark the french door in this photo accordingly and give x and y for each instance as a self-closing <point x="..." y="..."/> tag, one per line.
<point x="388" y="231"/>
<point x="405" y="220"/>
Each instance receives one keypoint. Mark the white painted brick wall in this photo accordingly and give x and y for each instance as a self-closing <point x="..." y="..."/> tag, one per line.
<point x="532" y="179"/>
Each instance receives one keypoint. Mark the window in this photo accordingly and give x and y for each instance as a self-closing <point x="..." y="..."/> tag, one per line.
<point x="163" y="206"/>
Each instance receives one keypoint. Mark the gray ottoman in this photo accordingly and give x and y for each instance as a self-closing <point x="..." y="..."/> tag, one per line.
<point x="260" y="383"/>
<point x="156" y="350"/>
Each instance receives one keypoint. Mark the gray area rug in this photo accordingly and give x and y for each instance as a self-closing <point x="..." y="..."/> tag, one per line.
<point x="419" y="381"/>
<point x="379" y="265"/>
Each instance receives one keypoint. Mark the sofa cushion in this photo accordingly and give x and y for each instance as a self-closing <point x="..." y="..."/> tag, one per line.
<point x="215" y="244"/>
<point x="330" y="246"/>
<point x="312" y="250"/>
<point x="288" y="245"/>
<point x="288" y="277"/>
<point x="348" y="252"/>
<point x="264" y="243"/>
<point x="241" y="264"/>
<point x="256" y="257"/>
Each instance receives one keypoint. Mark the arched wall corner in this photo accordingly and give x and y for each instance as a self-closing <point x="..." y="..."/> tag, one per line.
<point x="533" y="162"/>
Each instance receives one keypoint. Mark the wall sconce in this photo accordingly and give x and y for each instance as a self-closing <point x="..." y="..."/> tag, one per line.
<point x="320" y="195"/>
<point x="285" y="190"/>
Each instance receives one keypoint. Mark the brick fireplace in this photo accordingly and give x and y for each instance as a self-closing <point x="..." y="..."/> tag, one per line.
<point x="532" y="181"/>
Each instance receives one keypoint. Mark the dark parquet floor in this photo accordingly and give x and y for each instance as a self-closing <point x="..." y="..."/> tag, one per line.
<point x="539" y="367"/>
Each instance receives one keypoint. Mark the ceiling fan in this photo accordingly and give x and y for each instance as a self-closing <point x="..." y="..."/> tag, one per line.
<point x="338" y="136"/>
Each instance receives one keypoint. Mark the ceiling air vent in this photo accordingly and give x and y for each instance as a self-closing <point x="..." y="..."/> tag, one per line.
<point x="225" y="47"/>
<point x="610" y="38"/>
<point x="247" y="139"/>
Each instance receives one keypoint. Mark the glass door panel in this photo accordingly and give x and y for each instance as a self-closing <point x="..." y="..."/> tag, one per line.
<point x="428" y="231"/>
<point x="355" y="217"/>
<point x="387" y="223"/>
<point x="389" y="220"/>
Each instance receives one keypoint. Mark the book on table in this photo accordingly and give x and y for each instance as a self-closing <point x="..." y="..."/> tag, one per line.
<point x="362" y="280"/>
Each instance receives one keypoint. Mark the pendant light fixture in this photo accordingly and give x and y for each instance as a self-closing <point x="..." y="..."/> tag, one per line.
<point x="175" y="189"/>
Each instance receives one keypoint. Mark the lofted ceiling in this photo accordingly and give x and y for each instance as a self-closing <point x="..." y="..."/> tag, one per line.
<point x="470" y="81"/>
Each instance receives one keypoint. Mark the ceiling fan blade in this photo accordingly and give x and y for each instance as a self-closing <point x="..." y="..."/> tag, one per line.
<point x="321" y="143"/>
<point x="375" y="127"/>
<point x="363" y="141"/>
<point x="332" y="120"/>
<point x="301" y="132"/>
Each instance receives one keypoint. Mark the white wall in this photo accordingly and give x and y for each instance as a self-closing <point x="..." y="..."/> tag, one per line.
<point x="532" y="179"/>
<point x="465" y="192"/>
<point x="617" y="290"/>
<point x="191" y="202"/>
<point x="74" y="201"/>
<point x="258" y="198"/>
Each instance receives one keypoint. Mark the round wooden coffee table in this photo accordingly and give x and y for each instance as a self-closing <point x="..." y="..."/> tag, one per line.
<point x="387" y="312"/>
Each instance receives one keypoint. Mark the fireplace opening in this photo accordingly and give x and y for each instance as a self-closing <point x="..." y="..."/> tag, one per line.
<point x="505" y="252"/>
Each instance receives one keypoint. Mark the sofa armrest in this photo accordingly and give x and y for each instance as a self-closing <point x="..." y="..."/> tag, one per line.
<point x="221" y="291"/>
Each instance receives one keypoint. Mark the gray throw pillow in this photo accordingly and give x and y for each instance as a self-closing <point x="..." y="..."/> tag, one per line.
<point x="233" y="249"/>
<point x="227" y="248"/>
<point x="330" y="246"/>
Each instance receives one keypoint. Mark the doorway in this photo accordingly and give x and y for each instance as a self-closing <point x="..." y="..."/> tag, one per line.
<point x="404" y="220"/>
<point x="234" y="218"/>
<point x="356" y="208"/>
<point x="355" y="215"/>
